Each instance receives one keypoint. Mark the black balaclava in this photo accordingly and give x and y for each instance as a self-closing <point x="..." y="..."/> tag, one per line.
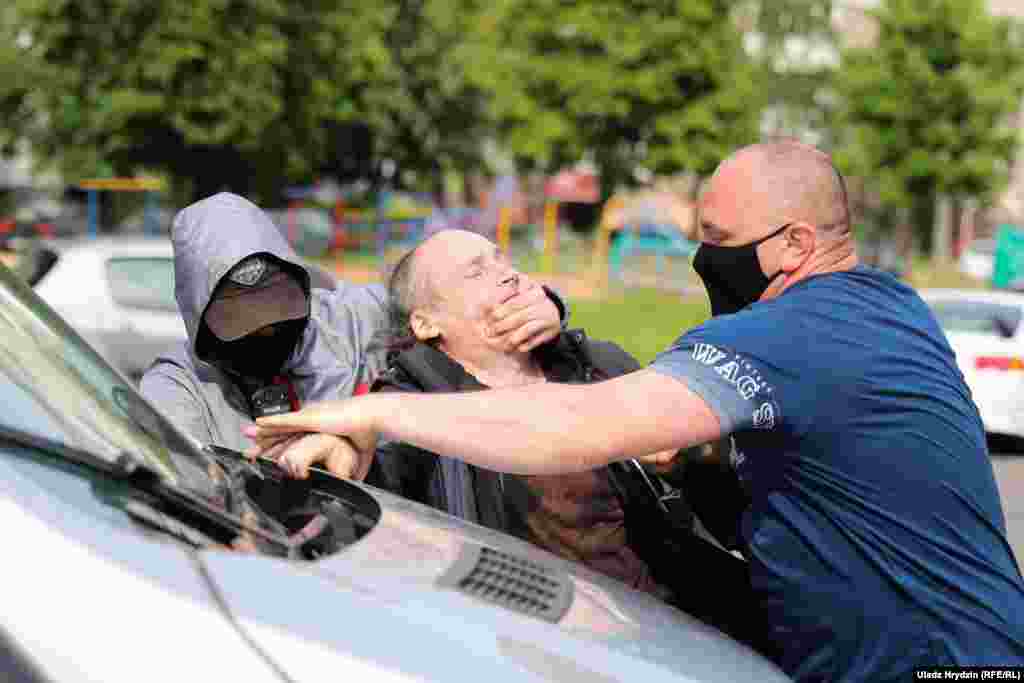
<point x="257" y="357"/>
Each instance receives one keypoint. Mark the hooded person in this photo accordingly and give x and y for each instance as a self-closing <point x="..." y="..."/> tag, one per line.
<point x="261" y="340"/>
<point x="254" y="324"/>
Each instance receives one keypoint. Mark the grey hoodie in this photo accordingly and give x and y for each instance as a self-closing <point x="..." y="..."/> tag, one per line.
<point x="210" y="237"/>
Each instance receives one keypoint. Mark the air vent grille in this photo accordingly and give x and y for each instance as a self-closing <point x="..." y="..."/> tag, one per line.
<point x="511" y="581"/>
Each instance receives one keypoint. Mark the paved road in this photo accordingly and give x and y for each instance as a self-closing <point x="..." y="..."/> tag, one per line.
<point x="1010" y="476"/>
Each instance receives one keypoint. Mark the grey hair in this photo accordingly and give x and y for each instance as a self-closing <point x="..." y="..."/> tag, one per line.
<point x="406" y="293"/>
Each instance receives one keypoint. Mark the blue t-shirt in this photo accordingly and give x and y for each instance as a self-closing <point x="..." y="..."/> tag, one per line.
<point x="875" y="535"/>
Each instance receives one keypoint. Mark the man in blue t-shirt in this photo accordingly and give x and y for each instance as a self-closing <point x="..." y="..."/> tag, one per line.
<point x="875" y="536"/>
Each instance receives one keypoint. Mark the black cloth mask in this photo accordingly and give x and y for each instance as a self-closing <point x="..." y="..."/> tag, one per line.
<point x="733" y="275"/>
<point x="256" y="356"/>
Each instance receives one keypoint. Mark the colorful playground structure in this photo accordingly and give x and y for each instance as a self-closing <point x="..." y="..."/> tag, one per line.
<point x="150" y="186"/>
<point x="658" y="224"/>
<point x="654" y="225"/>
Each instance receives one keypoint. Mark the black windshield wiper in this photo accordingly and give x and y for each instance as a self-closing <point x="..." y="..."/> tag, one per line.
<point x="133" y="472"/>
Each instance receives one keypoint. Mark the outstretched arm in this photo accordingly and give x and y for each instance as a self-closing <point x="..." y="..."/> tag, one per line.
<point x="536" y="429"/>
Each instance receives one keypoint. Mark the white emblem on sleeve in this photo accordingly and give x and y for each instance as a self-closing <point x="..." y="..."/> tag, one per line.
<point x="764" y="416"/>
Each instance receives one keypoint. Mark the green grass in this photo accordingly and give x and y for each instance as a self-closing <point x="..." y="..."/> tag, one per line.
<point x="927" y="275"/>
<point x="643" y="321"/>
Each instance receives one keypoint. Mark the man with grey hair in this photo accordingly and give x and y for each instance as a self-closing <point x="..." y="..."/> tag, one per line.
<point x="875" y="534"/>
<point x="612" y="519"/>
<point x="262" y="339"/>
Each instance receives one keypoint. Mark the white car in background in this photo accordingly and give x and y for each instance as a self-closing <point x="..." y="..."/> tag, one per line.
<point x="984" y="328"/>
<point x="117" y="292"/>
<point x="978" y="259"/>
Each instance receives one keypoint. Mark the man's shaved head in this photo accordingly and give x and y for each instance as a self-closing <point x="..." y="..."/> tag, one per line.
<point x="788" y="202"/>
<point x="768" y="184"/>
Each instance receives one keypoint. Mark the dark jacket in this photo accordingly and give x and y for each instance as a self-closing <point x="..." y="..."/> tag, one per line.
<point x="575" y="516"/>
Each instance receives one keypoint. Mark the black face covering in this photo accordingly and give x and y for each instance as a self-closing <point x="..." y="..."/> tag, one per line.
<point x="256" y="357"/>
<point x="733" y="275"/>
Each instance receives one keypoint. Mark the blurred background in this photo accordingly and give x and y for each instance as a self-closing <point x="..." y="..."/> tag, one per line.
<point x="576" y="134"/>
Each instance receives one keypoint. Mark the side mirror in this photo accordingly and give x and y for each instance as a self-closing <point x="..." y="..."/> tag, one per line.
<point x="1005" y="325"/>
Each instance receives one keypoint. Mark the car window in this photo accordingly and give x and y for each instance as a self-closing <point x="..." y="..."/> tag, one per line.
<point x="142" y="282"/>
<point x="976" y="316"/>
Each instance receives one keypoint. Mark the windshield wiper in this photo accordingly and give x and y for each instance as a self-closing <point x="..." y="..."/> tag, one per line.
<point x="139" y="476"/>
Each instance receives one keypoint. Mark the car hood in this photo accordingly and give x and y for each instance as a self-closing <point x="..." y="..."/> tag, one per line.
<point x="381" y="609"/>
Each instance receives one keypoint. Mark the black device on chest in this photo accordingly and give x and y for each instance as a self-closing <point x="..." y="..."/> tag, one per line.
<point x="267" y="400"/>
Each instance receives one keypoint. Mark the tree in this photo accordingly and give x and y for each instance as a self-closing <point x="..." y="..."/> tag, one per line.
<point x="214" y="93"/>
<point x="928" y="110"/>
<point x="794" y="46"/>
<point x="661" y="83"/>
<point x="424" y="112"/>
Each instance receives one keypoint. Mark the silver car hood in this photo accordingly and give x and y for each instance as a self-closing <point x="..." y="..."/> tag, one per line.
<point x="378" y="611"/>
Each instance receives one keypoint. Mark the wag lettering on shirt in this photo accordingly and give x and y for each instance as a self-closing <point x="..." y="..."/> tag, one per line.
<point x="707" y="354"/>
<point x="747" y="385"/>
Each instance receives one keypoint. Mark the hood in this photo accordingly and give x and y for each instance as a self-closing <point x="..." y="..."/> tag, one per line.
<point x="391" y="607"/>
<point x="210" y="237"/>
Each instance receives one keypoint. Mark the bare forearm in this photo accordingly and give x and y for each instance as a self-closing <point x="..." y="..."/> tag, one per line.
<point x="541" y="429"/>
<point x="506" y="430"/>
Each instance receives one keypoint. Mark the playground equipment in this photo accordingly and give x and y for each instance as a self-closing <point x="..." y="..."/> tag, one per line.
<point x="150" y="186"/>
<point x="550" y="237"/>
<point x="580" y="185"/>
<point x="504" y="229"/>
<point x="647" y="226"/>
<point x="1008" y="261"/>
<point x="396" y="220"/>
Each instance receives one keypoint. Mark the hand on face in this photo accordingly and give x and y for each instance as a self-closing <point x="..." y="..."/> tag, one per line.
<point x="524" y="319"/>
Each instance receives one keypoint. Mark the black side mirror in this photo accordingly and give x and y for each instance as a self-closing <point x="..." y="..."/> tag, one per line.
<point x="1005" y="325"/>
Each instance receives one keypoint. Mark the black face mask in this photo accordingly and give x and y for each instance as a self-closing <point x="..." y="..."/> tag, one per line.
<point x="733" y="275"/>
<point x="257" y="357"/>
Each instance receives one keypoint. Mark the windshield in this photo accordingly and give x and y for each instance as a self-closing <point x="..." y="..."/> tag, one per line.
<point x="53" y="384"/>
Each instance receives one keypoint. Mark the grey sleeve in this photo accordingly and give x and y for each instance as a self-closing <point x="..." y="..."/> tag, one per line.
<point x="350" y="320"/>
<point x="730" y="384"/>
<point x="169" y="390"/>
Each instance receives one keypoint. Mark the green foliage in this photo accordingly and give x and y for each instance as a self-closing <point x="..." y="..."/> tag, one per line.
<point x="189" y="86"/>
<point x="424" y="112"/>
<point x="793" y="44"/>
<point x="930" y="108"/>
<point x="643" y="321"/>
<point x="663" y="83"/>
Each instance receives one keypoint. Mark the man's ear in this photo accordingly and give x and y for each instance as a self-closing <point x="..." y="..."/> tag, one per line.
<point x="423" y="326"/>
<point x="801" y="239"/>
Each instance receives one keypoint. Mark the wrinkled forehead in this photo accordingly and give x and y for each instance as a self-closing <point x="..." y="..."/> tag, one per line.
<point x="450" y="252"/>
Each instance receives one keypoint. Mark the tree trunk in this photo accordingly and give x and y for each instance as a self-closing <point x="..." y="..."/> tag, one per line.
<point x="905" y="239"/>
<point x="922" y="220"/>
<point x="942" y="230"/>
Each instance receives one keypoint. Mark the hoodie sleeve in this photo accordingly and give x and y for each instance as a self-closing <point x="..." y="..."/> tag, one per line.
<point x="168" y="387"/>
